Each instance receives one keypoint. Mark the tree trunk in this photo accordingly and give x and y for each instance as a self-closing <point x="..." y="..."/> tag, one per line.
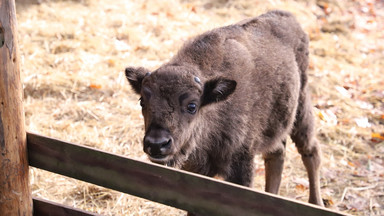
<point x="15" y="195"/>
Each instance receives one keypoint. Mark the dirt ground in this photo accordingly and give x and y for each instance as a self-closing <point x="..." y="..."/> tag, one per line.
<point x="74" y="52"/>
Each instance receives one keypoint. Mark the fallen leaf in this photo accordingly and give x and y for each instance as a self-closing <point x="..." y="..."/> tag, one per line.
<point x="111" y="62"/>
<point x="259" y="171"/>
<point x="300" y="187"/>
<point x="351" y="164"/>
<point x="370" y="21"/>
<point x="170" y="15"/>
<point x="325" y="6"/>
<point x="218" y="178"/>
<point x="141" y="48"/>
<point x="377" y="136"/>
<point x="95" y="86"/>
<point x="328" y="202"/>
<point x="345" y="121"/>
<point x="328" y="116"/>
<point x="301" y="181"/>
<point x="193" y="9"/>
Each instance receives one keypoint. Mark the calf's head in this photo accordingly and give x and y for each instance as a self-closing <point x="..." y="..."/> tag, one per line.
<point x="172" y="98"/>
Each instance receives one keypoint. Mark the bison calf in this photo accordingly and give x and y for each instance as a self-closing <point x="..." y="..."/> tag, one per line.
<point x="228" y="94"/>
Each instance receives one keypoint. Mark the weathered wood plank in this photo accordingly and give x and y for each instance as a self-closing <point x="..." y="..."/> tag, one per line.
<point x="15" y="197"/>
<point x="48" y="208"/>
<point x="165" y="185"/>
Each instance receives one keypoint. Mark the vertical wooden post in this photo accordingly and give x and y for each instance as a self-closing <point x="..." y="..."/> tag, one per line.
<point x="15" y="196"/>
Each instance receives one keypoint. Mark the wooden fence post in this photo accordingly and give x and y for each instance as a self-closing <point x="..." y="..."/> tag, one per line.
<point x="15" y="195"/>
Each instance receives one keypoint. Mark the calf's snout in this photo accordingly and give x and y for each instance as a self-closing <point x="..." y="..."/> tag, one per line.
<point x="158" y="143"/>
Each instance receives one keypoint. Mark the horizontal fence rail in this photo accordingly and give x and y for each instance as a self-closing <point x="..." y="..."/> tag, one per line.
<point x="177" y="188"/>
<point x="48" y="208"/>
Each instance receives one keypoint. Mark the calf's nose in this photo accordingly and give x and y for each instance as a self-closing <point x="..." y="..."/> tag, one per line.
<point x="157" y="146"/>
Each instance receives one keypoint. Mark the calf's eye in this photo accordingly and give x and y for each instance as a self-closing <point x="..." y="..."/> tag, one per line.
<point x="141" y="102"/>
<point x="191" y="108"/>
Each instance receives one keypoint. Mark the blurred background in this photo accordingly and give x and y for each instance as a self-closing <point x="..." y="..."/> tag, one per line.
<point x="74" y="53"/>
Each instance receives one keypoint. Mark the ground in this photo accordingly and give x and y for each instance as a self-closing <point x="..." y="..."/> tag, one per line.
<point x="72" y="58"/>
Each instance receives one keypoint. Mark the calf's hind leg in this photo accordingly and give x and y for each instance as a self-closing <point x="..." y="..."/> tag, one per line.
<point x="303" y="135"/>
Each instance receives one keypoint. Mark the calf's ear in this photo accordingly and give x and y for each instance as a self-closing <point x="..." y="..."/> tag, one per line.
<point x="135" y="76"/>
<point x="217" y="89"/>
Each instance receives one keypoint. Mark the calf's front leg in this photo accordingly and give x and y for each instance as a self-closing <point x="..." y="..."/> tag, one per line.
<point x="241" y="168"/>
<point x="274" y="163"/>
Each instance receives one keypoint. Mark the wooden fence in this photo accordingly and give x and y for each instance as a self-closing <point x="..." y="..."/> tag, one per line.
<point x="154" y="182"/>
<point x="165" y="185"/>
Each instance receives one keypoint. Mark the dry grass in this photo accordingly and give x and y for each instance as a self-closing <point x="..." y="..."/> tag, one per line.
<point x="73" y="55"/>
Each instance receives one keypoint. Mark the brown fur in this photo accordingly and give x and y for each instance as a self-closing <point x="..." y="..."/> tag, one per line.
<point x="252" y="94"/>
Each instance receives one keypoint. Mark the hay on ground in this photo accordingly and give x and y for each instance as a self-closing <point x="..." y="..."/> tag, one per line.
<point x="73" y="56"/>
